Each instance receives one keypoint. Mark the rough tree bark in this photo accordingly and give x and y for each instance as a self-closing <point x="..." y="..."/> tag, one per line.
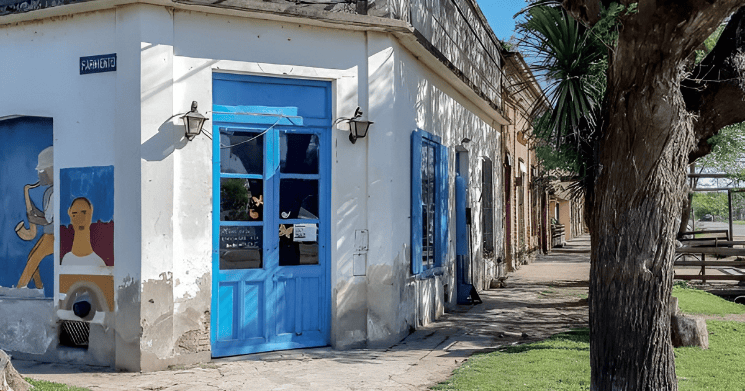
<point x="649" y="132"/>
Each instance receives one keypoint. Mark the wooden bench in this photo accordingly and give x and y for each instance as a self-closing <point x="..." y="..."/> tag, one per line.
<point x="713" y="247"/>
<point x="721" y="234"/>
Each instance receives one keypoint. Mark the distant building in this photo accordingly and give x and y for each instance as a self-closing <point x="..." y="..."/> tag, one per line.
<point x="567" y="211"/>
<point x="526" y="203"/>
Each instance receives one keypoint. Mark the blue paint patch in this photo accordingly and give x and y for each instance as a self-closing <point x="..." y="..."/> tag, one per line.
<point x="94" y="183"/>
<point x="257" y="115"/>
<point x="23" y="139"/>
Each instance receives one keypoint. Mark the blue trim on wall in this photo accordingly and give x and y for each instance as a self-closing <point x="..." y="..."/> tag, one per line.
<point x="441" y="201"/>
<point x="461" y="229"/>
<point x="442" y="183"/>
<point x="416" y="201"/>
<point x="257" y="115"/>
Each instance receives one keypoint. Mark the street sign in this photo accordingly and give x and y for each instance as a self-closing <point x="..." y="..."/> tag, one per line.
<point x="98" y="64"/>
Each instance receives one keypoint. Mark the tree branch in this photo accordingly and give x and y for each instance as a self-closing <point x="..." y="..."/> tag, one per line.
<point x="585" y="11"/>
<point x="715" y="91"/>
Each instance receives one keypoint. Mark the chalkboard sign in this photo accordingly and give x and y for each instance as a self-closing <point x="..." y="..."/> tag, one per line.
<point x="240" y="247"/>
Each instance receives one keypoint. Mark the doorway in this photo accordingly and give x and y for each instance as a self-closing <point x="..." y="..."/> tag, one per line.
<point x="271" y="214"/>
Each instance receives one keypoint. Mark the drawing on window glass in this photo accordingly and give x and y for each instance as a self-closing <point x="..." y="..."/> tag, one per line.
<point x="298" y="199"/>
<point x="37" y="217"/>
<point x="241" y="199"/>
<point x="298" y="244"/>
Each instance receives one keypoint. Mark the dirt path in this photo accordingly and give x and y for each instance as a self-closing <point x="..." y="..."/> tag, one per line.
<point x="540" y="299"/>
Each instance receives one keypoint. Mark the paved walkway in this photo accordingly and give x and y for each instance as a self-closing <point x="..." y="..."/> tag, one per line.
<point x="542" y="298"/>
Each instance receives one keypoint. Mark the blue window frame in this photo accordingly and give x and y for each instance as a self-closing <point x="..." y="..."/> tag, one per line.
<point x="429" y="201"/>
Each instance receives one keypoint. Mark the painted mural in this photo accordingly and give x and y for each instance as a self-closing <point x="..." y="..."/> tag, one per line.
<point x="87" y="239"/>
<point x="27" y="204"/>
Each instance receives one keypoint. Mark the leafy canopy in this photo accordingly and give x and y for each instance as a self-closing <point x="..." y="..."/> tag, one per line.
<point x="573" y="61"/>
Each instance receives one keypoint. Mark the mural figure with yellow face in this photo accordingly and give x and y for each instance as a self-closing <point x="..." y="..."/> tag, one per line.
<point x="81" y="213"/>
<point x="36" y="217"/>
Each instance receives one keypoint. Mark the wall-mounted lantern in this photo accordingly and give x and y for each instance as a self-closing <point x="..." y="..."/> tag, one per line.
<point x="358" y="127"/>
<point x="193" y="122"/>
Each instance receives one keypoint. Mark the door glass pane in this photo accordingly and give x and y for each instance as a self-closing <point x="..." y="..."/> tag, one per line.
<point x="428" y="202"/>
<point x="241" y="153"/>
<point x="298" y="153"/>
<point x="240" y="248"/>
<point x="298" y="244"/>
<point x="425" y="235"/>
<point x="425" y="173"/>
<point x="241" y="199"/>
<point x="298" y="199"/>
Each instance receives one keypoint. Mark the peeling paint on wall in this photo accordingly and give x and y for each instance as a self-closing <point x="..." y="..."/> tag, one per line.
<point x="349" y="328"/>
<point x="128" y="332"/>
<point x="156" y="318"/>
<point x="192" y="319"/>
<point x="25" y="324"/>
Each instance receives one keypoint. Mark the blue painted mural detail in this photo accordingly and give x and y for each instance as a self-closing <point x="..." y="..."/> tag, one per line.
<point x="26" y="204"/>
<point x="87" y="209"/>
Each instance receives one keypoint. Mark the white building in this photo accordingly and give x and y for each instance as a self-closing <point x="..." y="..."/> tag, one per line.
<point x="271" y="229"/>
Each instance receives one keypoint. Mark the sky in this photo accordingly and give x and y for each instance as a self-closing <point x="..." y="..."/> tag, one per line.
<point x="499" y="13"/>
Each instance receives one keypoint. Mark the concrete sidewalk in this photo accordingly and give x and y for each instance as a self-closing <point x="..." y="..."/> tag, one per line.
<point x="542" y="298"/>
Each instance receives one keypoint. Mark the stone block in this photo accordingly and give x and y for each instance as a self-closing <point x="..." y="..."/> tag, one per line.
<point x="673" y="306"/>
<point x="10" y="379"/>
<point x="689" y="331"/>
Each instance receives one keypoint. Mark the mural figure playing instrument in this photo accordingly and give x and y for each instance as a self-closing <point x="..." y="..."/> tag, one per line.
<point x="37" y="217"/>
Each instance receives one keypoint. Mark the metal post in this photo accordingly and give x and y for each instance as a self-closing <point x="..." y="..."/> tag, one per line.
<point x="703" y="268"/>
<point x="729" y="202"/>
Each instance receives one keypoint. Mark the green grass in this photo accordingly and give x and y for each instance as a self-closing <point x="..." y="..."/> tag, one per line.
<point x="42" y="385"/>
<point x="694" y="301"/>
<point x="562" y="362"/>
<point x="718" y="368"/>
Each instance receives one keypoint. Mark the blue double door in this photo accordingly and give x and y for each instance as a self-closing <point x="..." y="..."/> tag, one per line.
<point x="271" y="172"/>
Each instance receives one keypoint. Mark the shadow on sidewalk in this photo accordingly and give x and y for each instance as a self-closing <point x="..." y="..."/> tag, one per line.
<point x="541" y="299"/>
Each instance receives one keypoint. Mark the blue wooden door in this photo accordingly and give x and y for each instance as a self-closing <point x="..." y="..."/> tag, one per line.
<point x="271" y="182"/>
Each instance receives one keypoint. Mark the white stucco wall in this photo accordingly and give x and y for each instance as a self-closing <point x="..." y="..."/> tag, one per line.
<point x="426" y="101"/>
<point x="41" y="60"/>
<point x="370" y="179"/>
<point x="163" y="188"/>
<point x="209" y="43"/>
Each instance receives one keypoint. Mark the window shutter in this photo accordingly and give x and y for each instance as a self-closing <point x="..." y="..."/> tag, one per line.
<point x="416" y="202"/>
<point x="443" y="186"/>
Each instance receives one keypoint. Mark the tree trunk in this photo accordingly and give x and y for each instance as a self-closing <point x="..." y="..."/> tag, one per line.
<point x="638" y="195"/>
<point x="647" y="136"/>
